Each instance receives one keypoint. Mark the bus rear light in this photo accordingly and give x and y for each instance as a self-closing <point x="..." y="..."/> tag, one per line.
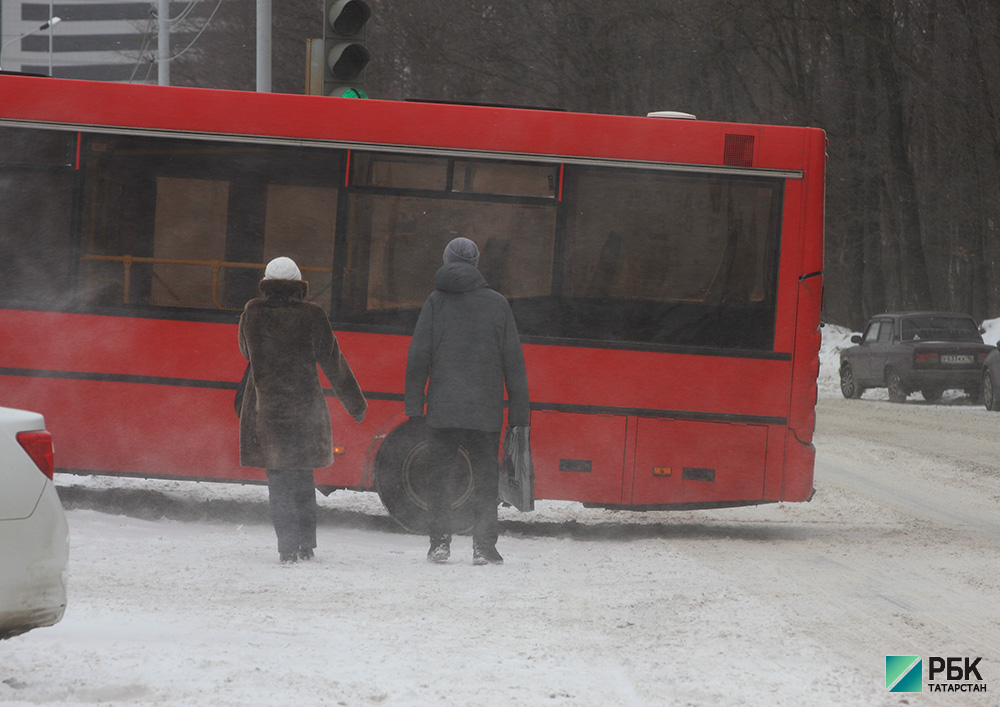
<point x="339" y="451"/>
<point x="38" y="445"/>
<point x="738" y="151"/>
<point x="925" y="358"/>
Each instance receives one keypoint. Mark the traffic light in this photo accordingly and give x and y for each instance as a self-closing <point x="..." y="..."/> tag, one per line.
<point x="344" y="52"/>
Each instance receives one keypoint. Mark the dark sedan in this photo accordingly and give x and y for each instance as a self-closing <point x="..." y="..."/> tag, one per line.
<point x="910" y="351"/>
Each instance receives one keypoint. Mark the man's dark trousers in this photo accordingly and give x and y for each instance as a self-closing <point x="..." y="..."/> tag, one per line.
<point x="442" y="456"/>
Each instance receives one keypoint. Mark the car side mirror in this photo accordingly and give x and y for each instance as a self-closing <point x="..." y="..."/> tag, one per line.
<point x="856" y="339"/>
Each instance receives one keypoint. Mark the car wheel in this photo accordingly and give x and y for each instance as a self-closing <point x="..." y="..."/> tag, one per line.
<point x="931" y="395"/>
<point x="401" y="476"/>
<point x="991" y="396"/>
<point x="897" y="393"/>
<point x="848" y="385"/>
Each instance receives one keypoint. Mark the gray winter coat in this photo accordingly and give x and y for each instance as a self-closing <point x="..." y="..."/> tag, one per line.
<point x="466" y="344"/>
<point x="284" y="420"/>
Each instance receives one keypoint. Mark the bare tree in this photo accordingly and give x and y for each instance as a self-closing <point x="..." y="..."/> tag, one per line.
<point x="907" y="90"/>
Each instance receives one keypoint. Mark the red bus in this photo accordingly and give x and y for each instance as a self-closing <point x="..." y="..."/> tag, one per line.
<point x="665" y="275"/>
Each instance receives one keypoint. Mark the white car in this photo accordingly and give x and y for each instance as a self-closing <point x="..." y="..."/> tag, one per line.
<point x="34" y="536"/>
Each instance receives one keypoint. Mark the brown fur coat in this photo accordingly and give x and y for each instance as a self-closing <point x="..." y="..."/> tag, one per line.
<point x="285" y="421"/>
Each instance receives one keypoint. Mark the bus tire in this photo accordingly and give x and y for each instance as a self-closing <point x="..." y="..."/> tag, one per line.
<point x="401" y="480"/>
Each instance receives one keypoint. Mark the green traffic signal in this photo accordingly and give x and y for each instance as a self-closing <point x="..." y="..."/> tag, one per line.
<point x="349" y="92"/>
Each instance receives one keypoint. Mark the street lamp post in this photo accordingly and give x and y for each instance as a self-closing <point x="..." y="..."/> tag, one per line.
<point x="51" y="23"/>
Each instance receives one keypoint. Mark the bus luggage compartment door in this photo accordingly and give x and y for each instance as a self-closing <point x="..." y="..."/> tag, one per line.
<point x="578" y="457"/>
<point x="685" y="461"/>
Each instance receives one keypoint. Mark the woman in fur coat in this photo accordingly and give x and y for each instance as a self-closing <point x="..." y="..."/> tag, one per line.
<point x="284" y="419"/>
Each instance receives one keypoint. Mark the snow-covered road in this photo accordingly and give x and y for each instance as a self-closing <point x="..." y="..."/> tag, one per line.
<point x="176" y="597"/>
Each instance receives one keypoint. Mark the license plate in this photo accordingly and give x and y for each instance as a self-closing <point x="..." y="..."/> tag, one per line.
<point x="956" y="358"/>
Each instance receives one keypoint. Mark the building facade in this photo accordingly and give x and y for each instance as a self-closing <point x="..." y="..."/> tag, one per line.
<point x="112" y="40"/>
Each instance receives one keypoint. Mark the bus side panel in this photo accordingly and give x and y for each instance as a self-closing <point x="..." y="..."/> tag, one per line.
<point x="671" y="384"/>
<point x="793" y="243"/>
<point x="196" y="352"/>
<point x="775" y="465"/>
<point x="135" y="429"/>
<point x="356" y="445"/>
<point x="800" y="460"/>
<point x="378" y="361"/>
<point x="681" y="461"/>
<point x="578" y="457"/>
<point x="800" y="455"/>
<point x="790" y="269"/>
<point x="814" y="203"/>
<point x="169" y="431"/>
<point x="377" y="122"/>
<point x="153" y="397"/>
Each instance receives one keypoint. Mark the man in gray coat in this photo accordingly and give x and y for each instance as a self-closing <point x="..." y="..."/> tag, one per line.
<point x="465" y="351"/>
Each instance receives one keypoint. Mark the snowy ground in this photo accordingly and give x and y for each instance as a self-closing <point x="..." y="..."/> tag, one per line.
<point x="176" y="597"/>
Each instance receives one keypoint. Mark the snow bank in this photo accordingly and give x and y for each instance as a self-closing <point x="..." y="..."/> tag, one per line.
<point x="835" y="339"/>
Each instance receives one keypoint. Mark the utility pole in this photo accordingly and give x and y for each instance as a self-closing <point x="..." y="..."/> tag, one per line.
<point x="52" y="12"/>
<point x="263" y="46"/>
<point x="163" y="43"/>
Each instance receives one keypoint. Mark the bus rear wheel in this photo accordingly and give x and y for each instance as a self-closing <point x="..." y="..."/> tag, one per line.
<point x="401" y="479"/>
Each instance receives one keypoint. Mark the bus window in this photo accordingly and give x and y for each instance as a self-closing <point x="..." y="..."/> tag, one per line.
<point x="395" y="246"/>
<point x="189" y="230"/>
<point x="391" y="171"/>
<point x="190" y="224"/>
<point x="37" y="147"/>
<point x="35" y="238"/>
<point x="505" y="178"/>
<point x="665" y="258"/>
<point x="36" y="206"/>
<point x="301" y="221"/>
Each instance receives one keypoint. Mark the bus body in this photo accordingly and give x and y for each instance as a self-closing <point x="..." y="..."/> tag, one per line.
<point x="665" y="276"/>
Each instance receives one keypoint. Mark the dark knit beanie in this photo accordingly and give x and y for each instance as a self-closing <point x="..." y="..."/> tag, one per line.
<point x="462" y="250"/>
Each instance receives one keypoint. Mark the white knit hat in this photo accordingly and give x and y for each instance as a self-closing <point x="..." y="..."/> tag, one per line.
<point x="282" y="269"/>
<point x="461" y="250"/>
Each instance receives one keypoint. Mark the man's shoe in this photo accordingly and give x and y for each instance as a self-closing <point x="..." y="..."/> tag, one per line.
<point x="486" y="556"/>
<point x="306" y="553"/>
<point x="288" y="558"/>
<point x="440" y="550"/>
